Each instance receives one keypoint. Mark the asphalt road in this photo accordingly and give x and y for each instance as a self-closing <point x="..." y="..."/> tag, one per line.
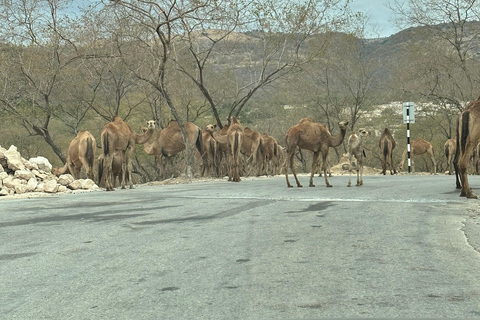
<point x="399" y="246"/>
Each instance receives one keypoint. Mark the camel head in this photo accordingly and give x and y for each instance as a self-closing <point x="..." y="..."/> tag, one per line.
<point x="211" y="128"/>
<point x="343" y="125"/>
<point x="151" y="124"/>
<point x="363" y="132"/>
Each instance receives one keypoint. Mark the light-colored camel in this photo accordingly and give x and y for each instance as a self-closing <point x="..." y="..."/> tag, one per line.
<point x="468" y="136"/>
<point x="81" y="152"/>
<point x="355" y="149"/>
<point x="209" y="151"/>
<point x="235" y="140"/>
<point x="221" y="139"/>
<point x="419" y="147"/>
<point x="251" y="149"/>
<point x="271" y="157"/>
<point x="449" y="148"/>
<point x="387" y="144"/>
<point x="169" y="141"/>
<point x="315" y="137"/>
<point x="118" y="135"/>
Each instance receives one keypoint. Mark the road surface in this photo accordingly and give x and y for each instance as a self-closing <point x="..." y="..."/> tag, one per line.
<point x="399" y="246"/>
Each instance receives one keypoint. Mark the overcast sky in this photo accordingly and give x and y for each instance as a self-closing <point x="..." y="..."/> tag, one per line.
<point x="381" y="19"/>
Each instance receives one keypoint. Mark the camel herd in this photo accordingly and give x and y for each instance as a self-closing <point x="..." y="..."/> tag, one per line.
<point x="236" y="150"/>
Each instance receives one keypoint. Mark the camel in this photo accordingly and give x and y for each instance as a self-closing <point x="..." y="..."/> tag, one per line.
<point x="314" y="137"/>
<point x="118" y="135"/>
<point x="209" y="151"/>
<point x="419" y="146"/>
<point x="355" y="148"/>
<point x="221" y="139"/>
<point x="251" y="148"/>
<point x="235" y="139"/>
<point x="117" y="170"/>
<point x="449" y="148"/>
<point x="169" y="141"/>
<point x="81" y="152"/>
<point x="468" y="137"/>
<point x="387" y="144"/>
<point x="271" y="157"/>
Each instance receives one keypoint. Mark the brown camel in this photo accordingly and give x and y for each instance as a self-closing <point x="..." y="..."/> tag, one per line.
<point x="355" y="148"/>
<point x="81" y="152"/>
<point x="449" y="148"/>
<point x="235" y="140"/>
<point x="169" y="141"/>
<point x="209" y="151"/>
<point x="117" y="170"/>
<point x="468" y="137"/>
<point x="387" y="144"/>
<point x="271" y="157"/>
<point x="251" y="149"/>
<point x="315" y="137"/>
<point x="118" y="135"/>
<point x="419" y="146"/>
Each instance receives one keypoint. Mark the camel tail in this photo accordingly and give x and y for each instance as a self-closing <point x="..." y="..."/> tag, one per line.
<point x="90" y="154"/>
<point x="105" y="143"/>
<point x="446" y="150"/>
<point x="100" y="170"/>
<point x="464" y="130"/>
<point x="235" y="147"/>
<point x="199" y="142"/>
<point x="385" y="148"/>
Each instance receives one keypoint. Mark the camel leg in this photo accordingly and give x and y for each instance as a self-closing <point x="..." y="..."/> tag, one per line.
<point x="286" y="165"/>
<point x="350" y="170"/>
<point x="434" y="162"/>
<point x="360" y="165"/>
<point x="314" y="167"/>
<point x="324" y="167"/>
<point x="463" y="173"/>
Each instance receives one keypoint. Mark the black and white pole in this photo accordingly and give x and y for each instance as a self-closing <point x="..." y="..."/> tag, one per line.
<point x="408" y="117"/>
<point x="408" y="137"/>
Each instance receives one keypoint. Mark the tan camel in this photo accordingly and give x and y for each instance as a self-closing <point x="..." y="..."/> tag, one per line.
<point x="468" y="133"/>
<point x="209" y="151"/>
<point x="235" y="140"/>
<point x="271" y="157"/>
<point x="81" y="152"/>
<point x="221" y="139"/>
<point x="419" y="147"/>
<point x="169" y="141"/>
<point x="355" y="148"/>
<point x="449" y="148"/>
<point x="315" y="137"/>
<point x="387" y="144"/>
<point x="118" y="135"/>
<point x="251" y="149"/>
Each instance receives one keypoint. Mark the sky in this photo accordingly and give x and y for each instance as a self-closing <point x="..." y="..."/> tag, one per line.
<point x="381" y="19"/>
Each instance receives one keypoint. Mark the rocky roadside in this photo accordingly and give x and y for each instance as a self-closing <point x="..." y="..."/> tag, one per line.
<point x="19" y="176"/>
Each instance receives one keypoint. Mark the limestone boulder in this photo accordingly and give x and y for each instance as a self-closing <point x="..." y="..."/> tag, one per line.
<point x="24" y="174"/>
<point x="14" y="159"/>
<point x="32" y="184"/>
<point x="41" y="163"/>
<point x="20" y="189"/>
<point x="50" y="186"/>
<point x="65" y="179"/>
<point x="75" y="185"/>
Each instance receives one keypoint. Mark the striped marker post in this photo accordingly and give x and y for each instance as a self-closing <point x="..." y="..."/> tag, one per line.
<point x="408" y="117"/>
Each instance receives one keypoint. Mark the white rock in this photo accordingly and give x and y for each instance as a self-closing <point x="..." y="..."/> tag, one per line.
<point x="5" y="191"/>
<point x="32" y="184"/>
<point x="14" y="159"/>
<point x="61" y="188"/>
<point x="24" y="174"/>
<point x="11" y="182"/>
<point x="50" y="186"/>
<point x="41" y="163"/>
<point x="3" y="175"/>
<point x="65" y="179"/>
<point x="42" y="176"/>
<point x="20" y="189"/>
<point x="87" y="183"/>
<point x="75" y="185"/>
<point x="39" y="187"/>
